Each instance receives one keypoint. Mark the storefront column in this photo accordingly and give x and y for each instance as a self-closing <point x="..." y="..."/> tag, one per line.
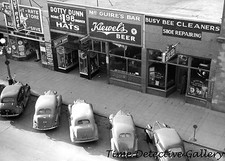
<point x="107" y="61"/>
<point x="144" y="64"/>
<point x="218" y="101"/>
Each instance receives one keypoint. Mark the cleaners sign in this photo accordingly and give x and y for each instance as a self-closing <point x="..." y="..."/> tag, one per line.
<point x="121" y="27"/>
<point x="183" y="28"/>
<point x="68" y="19"/>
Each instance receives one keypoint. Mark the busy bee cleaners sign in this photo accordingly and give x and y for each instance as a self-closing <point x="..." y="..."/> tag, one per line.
<point x="116" y="26"/>
<point x="23" y="17"/>
<point x="67" y="18"/>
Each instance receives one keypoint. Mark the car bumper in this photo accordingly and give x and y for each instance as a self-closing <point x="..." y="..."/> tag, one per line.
<point x="85" y="140"/>
<point x="9" y="115"/>
<point x="44" y="128"/>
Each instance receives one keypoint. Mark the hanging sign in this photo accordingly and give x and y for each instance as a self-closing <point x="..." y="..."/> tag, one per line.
<point x="169" y="53"/>
<point x="26" y="18"/>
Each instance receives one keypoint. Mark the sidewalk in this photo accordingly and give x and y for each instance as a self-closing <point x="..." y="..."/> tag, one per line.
<point x="107" y="99"/>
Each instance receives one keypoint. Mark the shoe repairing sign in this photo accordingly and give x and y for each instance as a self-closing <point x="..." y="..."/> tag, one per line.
<point x="116" y="26"/>
<point x="22" y="17"/>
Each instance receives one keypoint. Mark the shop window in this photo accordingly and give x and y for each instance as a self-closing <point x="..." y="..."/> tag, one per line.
<point x="183" y="59"/>
<point x="201" y="63"/>
<point x="94" y="62"/>
<point x="198" y="83"/>
<point x="134" y="67"/>
<point x="97" y="45"/>
<point x="117" y="63"/>
<point x="133" y="52"/>
<point x="155" y="55"/>
<point x="157" y="75"/>
<point x="83" y="65"/>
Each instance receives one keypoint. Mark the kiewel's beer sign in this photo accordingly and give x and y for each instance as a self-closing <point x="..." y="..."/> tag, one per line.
<point x="183" y="28"/>
<point x="116" y="26"/>
<point x="69" y="19"/>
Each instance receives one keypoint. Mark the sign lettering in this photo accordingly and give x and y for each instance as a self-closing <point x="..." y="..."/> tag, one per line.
<point x="29" y="19"/>
<point x="183" y="28"/>
<point x="69" y="19"/>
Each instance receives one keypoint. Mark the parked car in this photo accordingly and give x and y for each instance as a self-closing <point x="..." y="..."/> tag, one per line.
<point x="124" y="141"/>
<point x="165" y="140"/>
<point x="2" y="86"/>
<point x="13" y="99"/>
<point x="81" y="122"/>
<point x="47" y="111"/>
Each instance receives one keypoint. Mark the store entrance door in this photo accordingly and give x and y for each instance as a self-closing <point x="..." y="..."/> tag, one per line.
<point x="181" y="79"/>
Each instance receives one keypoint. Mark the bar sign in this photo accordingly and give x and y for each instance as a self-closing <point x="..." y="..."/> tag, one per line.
<point x="16" y="14"/>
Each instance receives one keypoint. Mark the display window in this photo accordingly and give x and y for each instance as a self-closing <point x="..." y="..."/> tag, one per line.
<point x="156" y="76"/>
<point x="23" y="48"/>
<point x="125" y="62"/>
<point x="66" y="57"/>
<point x="83" y="62"/>
<point x="199" y="77"/>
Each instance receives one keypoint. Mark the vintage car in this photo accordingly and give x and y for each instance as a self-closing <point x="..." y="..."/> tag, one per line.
<point x="81" y="122"/>
<point x="47" y="111"/>
<point x="166" y="142"/>
<point x="124" y="141"/>
<point x="13" y="99"/>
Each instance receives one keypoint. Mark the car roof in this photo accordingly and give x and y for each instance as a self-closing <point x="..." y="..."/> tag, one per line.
<point x="11" y="90"/>
<point x="46" y="101"/>
<point x="82" y="110"/>
<point x="123" y="123"/>
<point x="169" y="138"/>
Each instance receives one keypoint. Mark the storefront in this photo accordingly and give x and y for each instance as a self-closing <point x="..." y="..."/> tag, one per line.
<point x="117" y="38"/>
<point x="179" y="58"/>
<point x="24" y="32"/>
<point x="67" y="26"/>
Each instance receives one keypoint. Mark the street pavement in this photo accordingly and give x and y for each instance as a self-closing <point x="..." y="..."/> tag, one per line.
<point x="107" y="99"/>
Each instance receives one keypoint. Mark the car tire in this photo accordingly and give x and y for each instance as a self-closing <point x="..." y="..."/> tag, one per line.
<point x="71" y="135"/>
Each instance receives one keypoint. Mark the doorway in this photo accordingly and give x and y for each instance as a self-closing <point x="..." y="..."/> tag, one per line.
<point x="181" y="79"/>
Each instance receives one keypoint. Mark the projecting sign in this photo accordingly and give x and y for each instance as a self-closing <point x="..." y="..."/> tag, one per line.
<point x="66" y="18"/>
<point x="183" y="28"/>
<point x="29" y="19"/>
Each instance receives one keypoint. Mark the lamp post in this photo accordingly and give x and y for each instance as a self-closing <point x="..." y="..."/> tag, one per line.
<point x="4" y="52"/>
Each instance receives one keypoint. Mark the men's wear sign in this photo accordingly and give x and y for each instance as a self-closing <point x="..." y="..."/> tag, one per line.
<point x="183" y="28"/>
<point x="26" y="18"/>
<point x="109" y="25"/>
<point x="69" y="19"/>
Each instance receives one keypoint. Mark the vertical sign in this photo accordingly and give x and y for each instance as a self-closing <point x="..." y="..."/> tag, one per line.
<point x="16" y="14"/>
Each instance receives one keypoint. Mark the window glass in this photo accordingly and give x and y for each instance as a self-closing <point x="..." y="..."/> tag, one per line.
<point x="83" y="122"/>
<point x="134" y="67"/>
<point x="97" y="45"/>
<point x="201" y="63"/>
<point x="117" y="63"/>
<point x="44" y="111"/>
<point x="8" y="100"/>
<point x="117" y="49"/>
<point x="155" y="55"/>
<point x="133" y="52"/>
<point x="157" y="75"/>
<point x="198" y="83"/>
<point x="183" y="59"/>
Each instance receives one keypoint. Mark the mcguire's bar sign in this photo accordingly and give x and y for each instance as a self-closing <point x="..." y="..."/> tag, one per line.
<point x="69" y="19"/>
<point x="183" y="28"/>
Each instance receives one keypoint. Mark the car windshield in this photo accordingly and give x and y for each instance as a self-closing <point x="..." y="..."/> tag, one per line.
<point x="44" y="111"/>
<point x="125" y="135"/>
<point x="83" y="122"/>
<point x="8" y="100"/>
